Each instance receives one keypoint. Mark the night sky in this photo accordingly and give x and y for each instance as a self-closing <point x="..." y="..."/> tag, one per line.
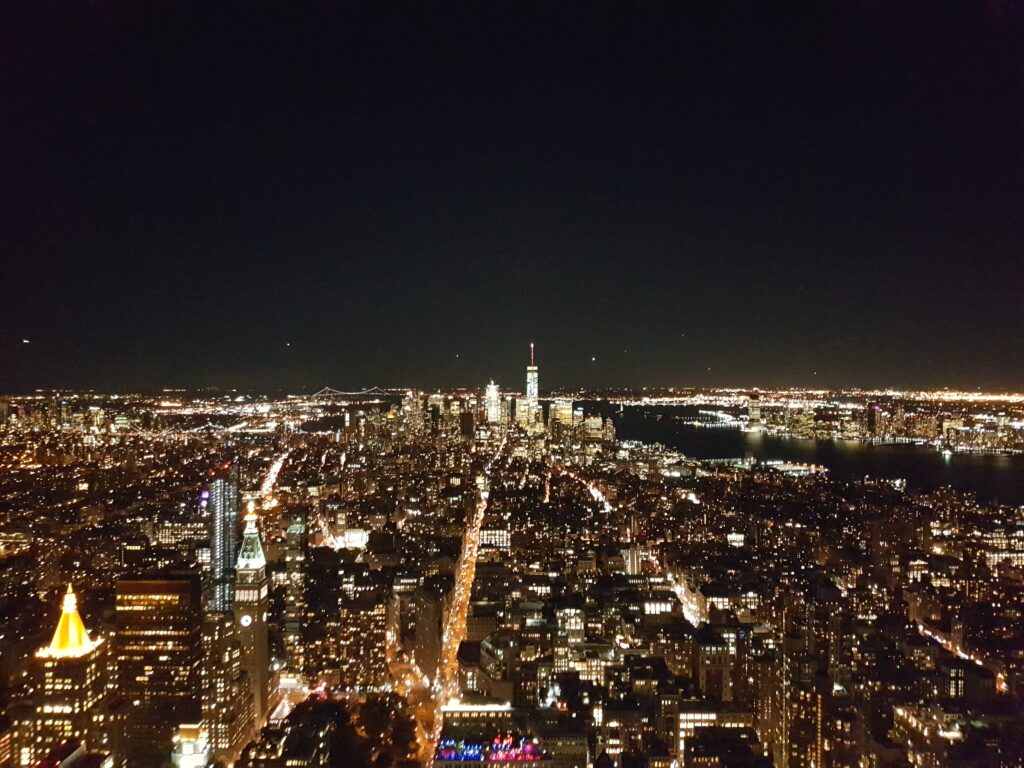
<point x="710" y="193"/>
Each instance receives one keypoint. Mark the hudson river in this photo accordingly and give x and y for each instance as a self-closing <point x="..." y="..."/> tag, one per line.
<point x="991" y="477"/>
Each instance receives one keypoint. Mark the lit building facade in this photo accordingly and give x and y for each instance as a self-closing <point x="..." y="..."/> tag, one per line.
<point x="222" y="504"/>
<point x="363" y="642"/>
<point x="71" y="677"/>
<point x="158" y="651"/>
<point x="252" y="604"/>
<point x="228" y="717"/>
<point x="532" y="390"/>
<point x="492" y="403"/>
<point x="295" y="591"/>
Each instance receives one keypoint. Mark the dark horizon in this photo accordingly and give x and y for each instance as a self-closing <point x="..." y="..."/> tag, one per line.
<point x="657" y="194"/>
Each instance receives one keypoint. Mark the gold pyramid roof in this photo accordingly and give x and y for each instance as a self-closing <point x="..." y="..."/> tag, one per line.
<point x="70" y="639"/>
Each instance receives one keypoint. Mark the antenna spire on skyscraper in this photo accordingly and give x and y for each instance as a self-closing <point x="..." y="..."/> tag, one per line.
<point x="531" y="353"/>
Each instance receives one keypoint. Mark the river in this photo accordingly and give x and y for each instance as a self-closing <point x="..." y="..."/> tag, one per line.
<point x="991" y="477"/>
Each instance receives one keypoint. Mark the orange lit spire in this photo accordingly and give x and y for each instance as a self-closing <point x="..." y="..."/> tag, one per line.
<point x="71" y="637"/>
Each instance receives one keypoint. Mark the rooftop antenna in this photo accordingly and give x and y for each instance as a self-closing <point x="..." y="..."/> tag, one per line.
<point x="531" y="353"/>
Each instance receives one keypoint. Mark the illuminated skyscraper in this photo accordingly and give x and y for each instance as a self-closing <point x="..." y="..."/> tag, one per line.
<point x="414" y="413"/>
<point x="754" y="411"/>
<point x="492" y="404"/>
<point x="532" y="384"/>
<point x="561" y="414"/>
<point x="158" y="650"/>
<point x="252" y="601"/>
<point x="223" y="509"/>
<point x="228" y="716"/>
<point x="230" y="706"/>
<point x="874" y="417"/>
<point x="71" y="676"/>
<point x="295" y="591"/>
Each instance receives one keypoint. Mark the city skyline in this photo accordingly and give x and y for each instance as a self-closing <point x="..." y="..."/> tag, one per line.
<point x="439" y="384"/>
<point x="474" y="576"/>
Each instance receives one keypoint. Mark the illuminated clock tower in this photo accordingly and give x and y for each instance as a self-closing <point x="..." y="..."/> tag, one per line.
<point x="252" y="598"/>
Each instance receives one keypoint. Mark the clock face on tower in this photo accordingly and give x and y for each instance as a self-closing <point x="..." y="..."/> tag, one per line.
<point x="246" y="620"/>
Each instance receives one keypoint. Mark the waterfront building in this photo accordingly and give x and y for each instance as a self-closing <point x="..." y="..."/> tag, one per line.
<point x="754" y="411"/>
